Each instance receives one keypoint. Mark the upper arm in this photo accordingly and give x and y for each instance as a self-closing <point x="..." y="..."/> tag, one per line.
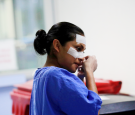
<point x="76" y="99"/>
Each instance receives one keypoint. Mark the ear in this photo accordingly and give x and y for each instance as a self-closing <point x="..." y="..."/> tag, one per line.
<point x="56" y="45"/>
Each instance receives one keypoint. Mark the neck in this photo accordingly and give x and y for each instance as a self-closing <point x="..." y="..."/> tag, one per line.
<point x="51" y="61"/>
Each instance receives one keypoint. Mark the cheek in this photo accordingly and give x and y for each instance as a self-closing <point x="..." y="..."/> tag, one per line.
<point x="68" y="60"/>
<point x="72" y="52"/>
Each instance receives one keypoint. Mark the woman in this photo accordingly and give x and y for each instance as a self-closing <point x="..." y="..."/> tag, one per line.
<point x="56" y="90"/>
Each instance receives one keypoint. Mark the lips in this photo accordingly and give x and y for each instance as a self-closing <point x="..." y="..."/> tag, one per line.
<point x="78" y="65"/>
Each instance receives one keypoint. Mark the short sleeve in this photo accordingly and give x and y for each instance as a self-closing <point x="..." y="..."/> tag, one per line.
<point x="75" y="98"/>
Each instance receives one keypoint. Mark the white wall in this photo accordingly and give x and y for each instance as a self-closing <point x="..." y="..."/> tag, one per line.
<point x="109" y="26"/>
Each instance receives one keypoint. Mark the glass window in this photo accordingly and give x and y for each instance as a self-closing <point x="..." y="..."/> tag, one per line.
<point x="19" y="21"/>
<point x="6" y="20"/>
<point x="29" y="17"/>
<point x="2" y="20"/>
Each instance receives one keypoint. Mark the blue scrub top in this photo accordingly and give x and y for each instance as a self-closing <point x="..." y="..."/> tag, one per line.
<point x="56" y="91"/>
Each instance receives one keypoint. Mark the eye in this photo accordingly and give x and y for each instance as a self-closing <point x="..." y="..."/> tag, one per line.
<point x="78" y="49"/>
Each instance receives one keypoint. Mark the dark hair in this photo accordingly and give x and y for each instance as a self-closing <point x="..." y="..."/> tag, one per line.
<point x="63" y="31"/>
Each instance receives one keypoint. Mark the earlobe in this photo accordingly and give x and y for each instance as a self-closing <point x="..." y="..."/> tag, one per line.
<point x="56" y="45"/>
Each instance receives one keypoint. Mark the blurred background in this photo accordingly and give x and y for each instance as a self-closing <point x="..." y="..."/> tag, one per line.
<point x="109" y="27"/>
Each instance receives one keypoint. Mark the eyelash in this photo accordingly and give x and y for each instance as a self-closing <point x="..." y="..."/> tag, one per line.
<point x="79" y="49"/>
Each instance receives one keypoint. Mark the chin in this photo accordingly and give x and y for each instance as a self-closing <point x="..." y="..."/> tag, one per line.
<point x="73" y="70"/>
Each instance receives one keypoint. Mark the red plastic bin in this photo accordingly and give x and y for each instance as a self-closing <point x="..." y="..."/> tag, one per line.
<point x="20" y="104"/>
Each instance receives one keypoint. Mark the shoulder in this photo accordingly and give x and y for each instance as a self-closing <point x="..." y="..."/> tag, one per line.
<point x="61" y="73"/>
<point x="63" y="76"/>
<point x="56" y="74"/>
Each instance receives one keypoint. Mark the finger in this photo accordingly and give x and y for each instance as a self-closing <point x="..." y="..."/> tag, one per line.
<point x="86" y="57"/>
<point x="80" y="69"/>
<point x="96" y="67"/>
<point x="80" y="73"/>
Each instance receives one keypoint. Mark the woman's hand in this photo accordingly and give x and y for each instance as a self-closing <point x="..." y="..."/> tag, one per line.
<point x="89" y="66"/>
<point x="90" y="63"/>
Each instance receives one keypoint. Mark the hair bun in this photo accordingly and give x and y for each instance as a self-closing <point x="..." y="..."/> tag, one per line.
<point x="40" y="33"/>
<point x="40" y="42"/>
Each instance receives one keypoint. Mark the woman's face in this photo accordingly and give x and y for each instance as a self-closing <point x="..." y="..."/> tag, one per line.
<point x="66" y="60"/>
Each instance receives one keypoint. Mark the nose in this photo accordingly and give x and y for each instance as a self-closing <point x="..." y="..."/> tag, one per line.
<point x="81" y="59"/>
